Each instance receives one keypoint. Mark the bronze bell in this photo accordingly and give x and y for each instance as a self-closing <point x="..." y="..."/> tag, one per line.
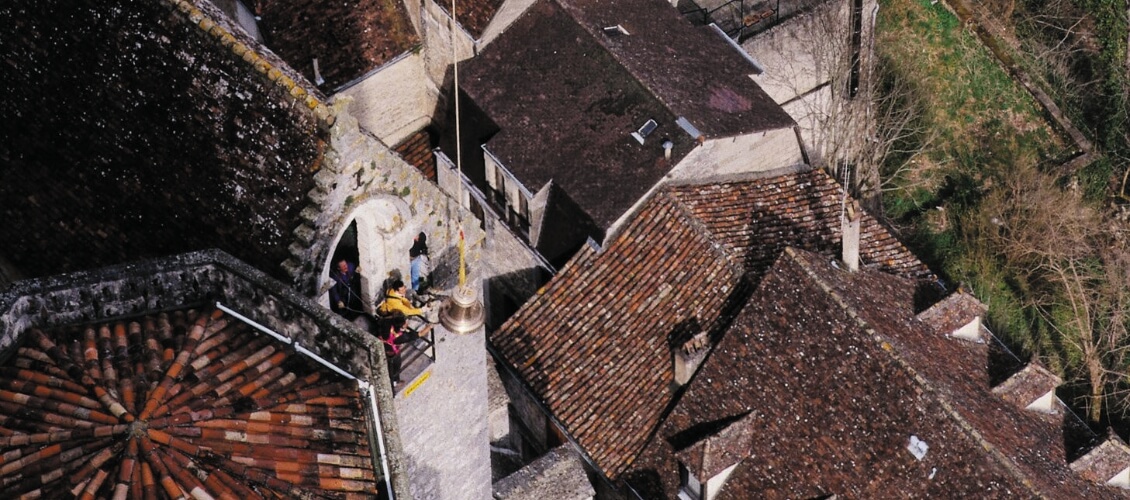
<point x="462" y="312"/>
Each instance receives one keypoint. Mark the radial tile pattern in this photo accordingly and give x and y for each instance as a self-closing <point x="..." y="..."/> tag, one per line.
<point x="177" y="405"/>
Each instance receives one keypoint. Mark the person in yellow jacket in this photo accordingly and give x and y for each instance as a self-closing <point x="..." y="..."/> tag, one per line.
<point x="396" y="301"/>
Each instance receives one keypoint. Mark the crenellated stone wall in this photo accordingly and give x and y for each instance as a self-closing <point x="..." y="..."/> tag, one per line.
<point x="363" y="181"/>
<point x="196" y="279"/>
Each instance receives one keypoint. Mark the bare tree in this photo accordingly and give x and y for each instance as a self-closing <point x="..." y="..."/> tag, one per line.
<point x="855" y="116"/>
<point x="1076" y="268"/>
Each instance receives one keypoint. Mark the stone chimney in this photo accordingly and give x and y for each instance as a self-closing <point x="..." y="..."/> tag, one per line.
<point x="688" y="357"/>
<point x="851" y="222"/>
<point x="958" y="316"/>
<point x="1108" y="463"/>
<point x="1032" y="388"/>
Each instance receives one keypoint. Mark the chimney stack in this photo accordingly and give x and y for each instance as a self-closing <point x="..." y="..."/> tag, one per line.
<point x="851" y="222"/>
<point x="318" y="80"/>
<point x="688" y="357"/>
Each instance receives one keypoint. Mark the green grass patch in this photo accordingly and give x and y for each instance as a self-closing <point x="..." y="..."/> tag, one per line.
<point x="985" y="125"/>
<point x="980" y="115"/>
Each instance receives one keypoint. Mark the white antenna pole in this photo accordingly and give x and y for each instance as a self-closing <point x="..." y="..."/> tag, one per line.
<point x="462" y="312"/>
<point x="458" y="143"/>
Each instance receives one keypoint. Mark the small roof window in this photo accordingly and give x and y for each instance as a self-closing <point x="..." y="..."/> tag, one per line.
<point x="644" y="131"/>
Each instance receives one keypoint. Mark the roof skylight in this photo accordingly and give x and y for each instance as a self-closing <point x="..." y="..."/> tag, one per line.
<point x="644" y="131"/>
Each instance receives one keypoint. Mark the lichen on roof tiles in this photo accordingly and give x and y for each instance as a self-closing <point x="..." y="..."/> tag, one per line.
<point x="686" y="262"/>
<point x="348" y="38"/>
<point x="187" y="403"/>
<point x="580" y="144"/>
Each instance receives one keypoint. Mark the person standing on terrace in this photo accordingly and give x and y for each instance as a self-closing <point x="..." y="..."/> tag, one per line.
<point x="345" y="294"/>
<point x="420" y="266"/>
<point x="396" y="301"/>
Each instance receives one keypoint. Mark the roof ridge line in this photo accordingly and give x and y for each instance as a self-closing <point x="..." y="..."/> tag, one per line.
<point x="701" y="229"/>
<point x="216" y="30"/>
<point x="921" y="381"/>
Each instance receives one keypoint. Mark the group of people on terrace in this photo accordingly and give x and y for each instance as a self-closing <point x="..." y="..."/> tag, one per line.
<point x="395" y="307"/>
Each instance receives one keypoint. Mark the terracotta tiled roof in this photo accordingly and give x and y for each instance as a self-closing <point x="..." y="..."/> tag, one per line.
<point x="594" y="343"/>
<point x="417" y="150"/>
<point x="349" y="38"/>
<point x="756" y="219"/>
<point x="836" y="373"/>
<point x="175" y="405"/>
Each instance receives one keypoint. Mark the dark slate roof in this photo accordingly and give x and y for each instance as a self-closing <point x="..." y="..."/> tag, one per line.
<point x="691" y="69"/>
<point x="146" y="130"/>
<point x="593" y="344"/>
<point x="349" y="38"/>
<point x="836" y="373"/>
<point x="566" y="110"/>
<point x="173" y="405"/>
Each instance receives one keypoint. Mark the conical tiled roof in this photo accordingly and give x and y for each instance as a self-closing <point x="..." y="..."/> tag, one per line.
<point x="176" y="405"/>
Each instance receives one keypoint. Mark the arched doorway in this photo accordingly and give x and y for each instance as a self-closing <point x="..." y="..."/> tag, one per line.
<point x="377" y="234"/>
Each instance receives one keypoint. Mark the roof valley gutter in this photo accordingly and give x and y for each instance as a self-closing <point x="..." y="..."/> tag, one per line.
<point x="362" y="384"/>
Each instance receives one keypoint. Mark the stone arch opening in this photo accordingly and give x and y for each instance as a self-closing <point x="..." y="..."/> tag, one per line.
<point x="378" y="235"/>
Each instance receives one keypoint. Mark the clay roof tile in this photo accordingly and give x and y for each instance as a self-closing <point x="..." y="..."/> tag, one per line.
<point x="216" y="399"/>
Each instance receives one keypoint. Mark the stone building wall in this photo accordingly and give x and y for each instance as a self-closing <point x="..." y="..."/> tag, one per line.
<point x="395" y="101"/>
<point x="507" y="13"/>
<point x="200" y="278"/>
<point x="438" y="53"/>
<point x="756" y="152"/>
<point x="807" y="61"/>
<point x="512" y="272"/>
